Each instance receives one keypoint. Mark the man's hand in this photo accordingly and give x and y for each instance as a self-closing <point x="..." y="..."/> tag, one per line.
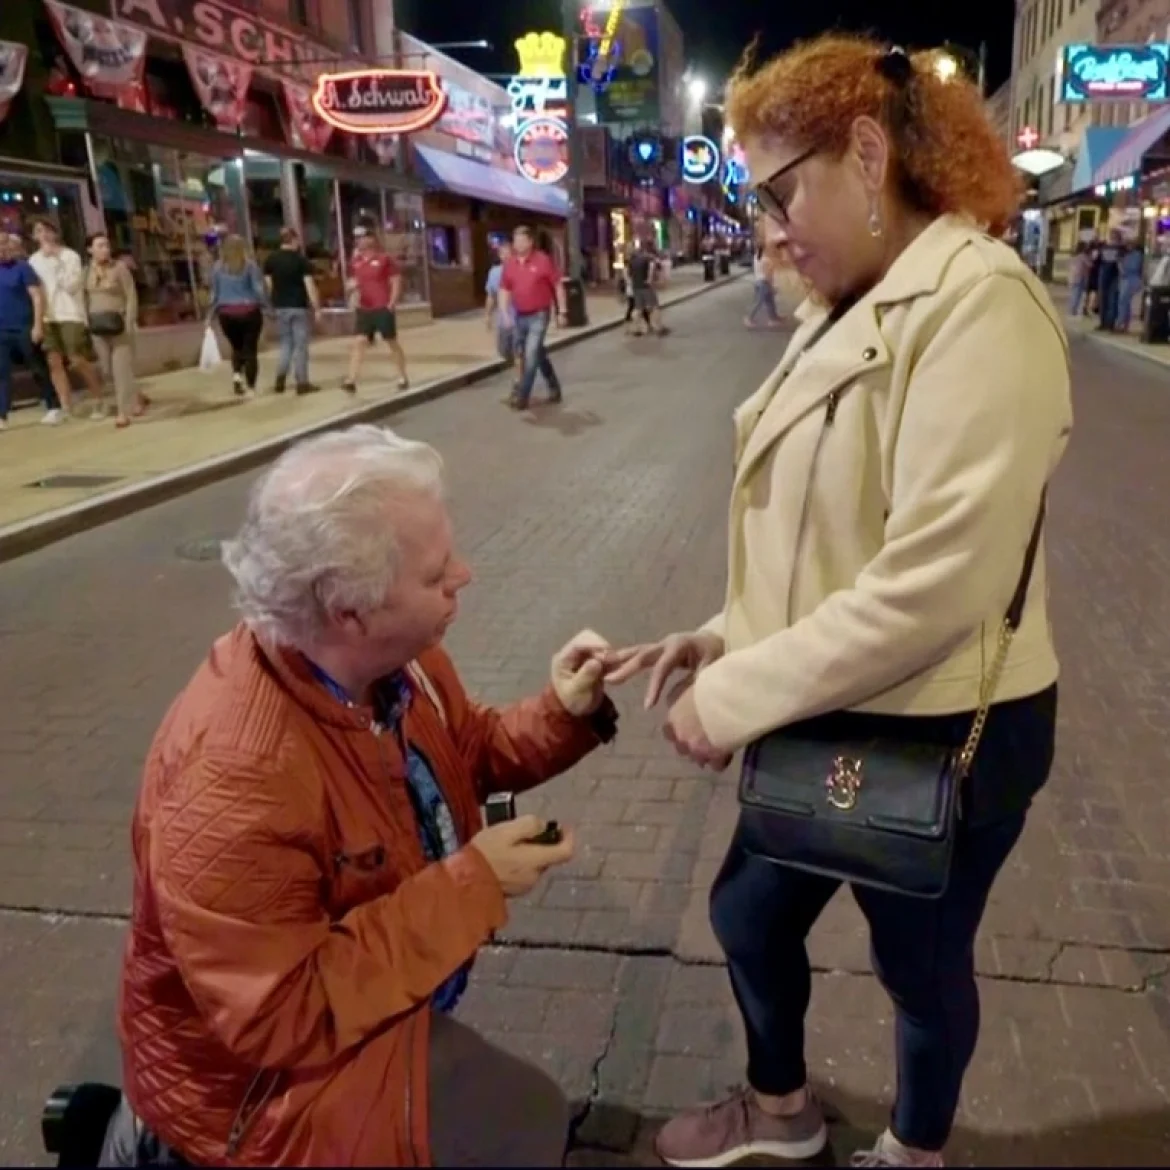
<point x="578" y="673"/>
<point x="518" y="865"/>
<point x="687" y="653"/>
<point x="685" y="730"/>
<point x="37" y="334"/>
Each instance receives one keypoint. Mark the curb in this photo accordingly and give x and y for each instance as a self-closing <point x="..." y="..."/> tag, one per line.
<point x="26" y="536"/>
<point x="1159" y="356"/>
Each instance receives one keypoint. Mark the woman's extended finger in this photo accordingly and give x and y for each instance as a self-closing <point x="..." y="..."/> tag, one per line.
<point x="623" y="665"/>
<point x="660" y="675"/>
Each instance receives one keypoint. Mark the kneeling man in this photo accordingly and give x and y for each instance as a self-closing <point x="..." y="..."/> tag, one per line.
<point x="312" y="880"/>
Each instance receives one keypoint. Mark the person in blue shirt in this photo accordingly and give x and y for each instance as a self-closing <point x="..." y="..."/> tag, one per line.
<point x="22" y="328"/>
<point x="1130" y="277"/>
<point x="499" y="316"/>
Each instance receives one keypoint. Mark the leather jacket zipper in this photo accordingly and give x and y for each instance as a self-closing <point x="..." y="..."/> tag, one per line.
<point x="242" y="1122"/>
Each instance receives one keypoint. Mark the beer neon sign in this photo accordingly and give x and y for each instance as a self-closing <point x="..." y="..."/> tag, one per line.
<point x="380" y="101"/>
<point x="542" y="150"/>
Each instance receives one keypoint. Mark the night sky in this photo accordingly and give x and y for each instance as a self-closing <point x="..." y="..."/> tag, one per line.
<point x="714" y="42"/>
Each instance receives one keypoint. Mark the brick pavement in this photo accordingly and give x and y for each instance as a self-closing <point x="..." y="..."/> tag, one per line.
<point x="611" y="513"/>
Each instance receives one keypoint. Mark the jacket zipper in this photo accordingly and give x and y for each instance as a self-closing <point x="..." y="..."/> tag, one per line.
<point x="242" y="1122"/>
<point x="806" y="505"/>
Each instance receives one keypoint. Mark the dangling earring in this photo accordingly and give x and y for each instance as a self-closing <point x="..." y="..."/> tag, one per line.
<point x="875" y="222"/>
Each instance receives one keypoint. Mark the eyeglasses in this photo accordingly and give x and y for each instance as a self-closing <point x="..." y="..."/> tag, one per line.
<point x="772" y="203"/>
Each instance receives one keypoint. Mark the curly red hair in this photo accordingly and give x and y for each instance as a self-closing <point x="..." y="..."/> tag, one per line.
<point x="948" y="157"/>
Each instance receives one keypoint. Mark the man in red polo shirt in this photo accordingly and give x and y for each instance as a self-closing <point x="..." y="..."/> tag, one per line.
<point x="531" y="288"/>
<point x="375" y="284"/>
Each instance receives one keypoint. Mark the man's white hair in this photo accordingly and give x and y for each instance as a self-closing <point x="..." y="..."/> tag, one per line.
<point x="318" y="537"/>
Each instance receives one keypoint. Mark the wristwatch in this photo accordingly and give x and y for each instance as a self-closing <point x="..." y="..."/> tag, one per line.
<point x="604" y="721"/>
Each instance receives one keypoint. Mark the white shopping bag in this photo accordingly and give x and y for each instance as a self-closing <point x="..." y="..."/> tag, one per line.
<point x="209" y="355"/>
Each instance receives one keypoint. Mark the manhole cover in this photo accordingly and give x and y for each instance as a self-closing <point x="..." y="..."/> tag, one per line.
<point x="73" y="481"/>
<point x="206" y="549"/>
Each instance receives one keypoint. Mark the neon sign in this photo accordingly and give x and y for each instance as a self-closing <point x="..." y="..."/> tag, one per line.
<point x="379" y="101"/>
<point x="542" y="150"/>
<point x="604" y="51"/>
<point x="1092" y="73"/>
<point x="700" y="159"/>
<point x="1028" y="138"/>
<point x="541" y="88"/>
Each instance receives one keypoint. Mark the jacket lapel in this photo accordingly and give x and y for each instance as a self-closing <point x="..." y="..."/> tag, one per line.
<point x="852" y="347"/>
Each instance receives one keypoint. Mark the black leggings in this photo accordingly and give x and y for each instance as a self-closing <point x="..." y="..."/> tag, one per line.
<point x="923" y="950"/>
<point x="243" y="334"/>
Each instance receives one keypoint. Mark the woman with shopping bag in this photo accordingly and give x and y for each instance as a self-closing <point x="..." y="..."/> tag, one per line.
<point x="238" y="299"/>
<point x="112" y="306"/>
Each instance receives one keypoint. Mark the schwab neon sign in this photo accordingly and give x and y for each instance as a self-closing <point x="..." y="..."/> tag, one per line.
<point x="379" y="101"/>
<point x="1115" y="72"/>
<point x="700" y="159"/>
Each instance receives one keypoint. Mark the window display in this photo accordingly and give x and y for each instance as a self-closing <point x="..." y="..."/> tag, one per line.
<point x="22" y="199"/>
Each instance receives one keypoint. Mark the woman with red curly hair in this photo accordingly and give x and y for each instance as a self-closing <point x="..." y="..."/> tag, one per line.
<point x="886" y="581"/>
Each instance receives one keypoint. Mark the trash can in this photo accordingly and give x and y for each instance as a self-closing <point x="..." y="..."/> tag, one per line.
<point x="708" y="269"/>
<point x="724" y="264"/>
<point x="575" y="312"/>
<point x="1156" y="329"/>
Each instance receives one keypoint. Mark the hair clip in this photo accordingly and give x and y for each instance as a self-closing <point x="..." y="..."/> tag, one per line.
<point x="895" y="65"/>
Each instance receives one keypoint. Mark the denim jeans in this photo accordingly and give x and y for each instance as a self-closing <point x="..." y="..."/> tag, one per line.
<point x="923" y="950"/>
<point x="765" y="299"/>
<point x="531" y="329"/>
<point x="1076" y="297"/>
<point x="1131" y="287"/>
<point x="19" y="345"/>
<point x="292" y="330"/>
<point x="1107" y="290"/>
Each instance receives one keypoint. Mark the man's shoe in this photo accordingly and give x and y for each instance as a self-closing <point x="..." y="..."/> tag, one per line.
<point x="278" y="384"/>
<point x="555" y="397"/>
<point x="305" y="388"/>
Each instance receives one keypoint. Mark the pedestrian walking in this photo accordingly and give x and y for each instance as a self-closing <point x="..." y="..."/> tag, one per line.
<point x="237" y="298"/>
<point x="375" y="288"/>
<point x="641" y="274"/>
<point x="764" y="295"/>
<point x="68" y="342"/>
<point x="1078" y="280"/>
<point x="875" y="623"/>
<point x="499" y="319"/>
<point x="530" y="289"/>
<point x="1093" y="285"/>
<point x="112" y="306"/>
<point x="22" y="328"/>
<point x="1130" y="269"/>
<point x="292" y="292"/>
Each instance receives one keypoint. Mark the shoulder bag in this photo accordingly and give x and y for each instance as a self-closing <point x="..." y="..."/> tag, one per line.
<point x="842" y="797"/>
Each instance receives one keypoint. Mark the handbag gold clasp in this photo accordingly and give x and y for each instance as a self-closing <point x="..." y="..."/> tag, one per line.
<point x="844" y="783"/>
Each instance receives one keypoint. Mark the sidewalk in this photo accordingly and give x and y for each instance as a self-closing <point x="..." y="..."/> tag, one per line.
<point x="59" y="480"/>
<point x="1124" y="342"/>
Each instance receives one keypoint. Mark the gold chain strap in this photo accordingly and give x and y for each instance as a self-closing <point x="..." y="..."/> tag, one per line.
<point x="987" y="688"/>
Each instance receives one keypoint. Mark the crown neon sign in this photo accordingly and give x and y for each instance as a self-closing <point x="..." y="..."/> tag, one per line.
<point x="380" y="101"/>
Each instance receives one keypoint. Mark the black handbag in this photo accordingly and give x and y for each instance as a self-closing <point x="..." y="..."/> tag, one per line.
<point x="107" y="324"/>
<point x="842" y="797"/>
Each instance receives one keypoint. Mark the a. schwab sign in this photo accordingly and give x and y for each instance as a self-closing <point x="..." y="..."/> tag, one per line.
<point x="1091" y="73"/>
<point x="230" y="30"/>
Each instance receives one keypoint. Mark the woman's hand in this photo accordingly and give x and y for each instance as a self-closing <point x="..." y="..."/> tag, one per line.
<point x="684" y="729"/>
<point x="687" y="653"/>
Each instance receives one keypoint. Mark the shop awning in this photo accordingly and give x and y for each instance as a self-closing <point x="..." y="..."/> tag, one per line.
<point x="1097" y="144"/>
<point x="475" y="180"/>
<point x="1126" y="159"/>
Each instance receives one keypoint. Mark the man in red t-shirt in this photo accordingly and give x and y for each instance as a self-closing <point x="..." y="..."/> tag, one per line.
<point x="375" y="285"/>
<point x="531" y="288"/>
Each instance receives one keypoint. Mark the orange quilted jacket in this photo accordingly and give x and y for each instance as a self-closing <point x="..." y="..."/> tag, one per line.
<point x="287" y="932"/>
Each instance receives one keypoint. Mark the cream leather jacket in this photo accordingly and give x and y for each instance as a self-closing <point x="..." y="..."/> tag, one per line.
<point x="886" y="484"/>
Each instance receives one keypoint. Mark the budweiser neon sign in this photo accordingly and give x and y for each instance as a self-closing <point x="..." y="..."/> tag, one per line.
<point x="380" y="101"/>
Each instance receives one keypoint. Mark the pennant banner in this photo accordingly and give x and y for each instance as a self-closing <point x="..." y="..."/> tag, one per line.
<point x="109" y="55"/>
<point x="308" y="131"/>
<point x="222" y="85"/>
<point x="12" y="62"/>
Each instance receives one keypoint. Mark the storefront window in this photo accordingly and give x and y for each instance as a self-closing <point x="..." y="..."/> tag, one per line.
<point x="144" y="216"/>
<point x="405" y="241"/>
<point x="23" y="199"/>
<point x="211" y="193"/>
<point x="265" y="207"/>
<point x="359" y="204"/>
<point x="317" y="188"/>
